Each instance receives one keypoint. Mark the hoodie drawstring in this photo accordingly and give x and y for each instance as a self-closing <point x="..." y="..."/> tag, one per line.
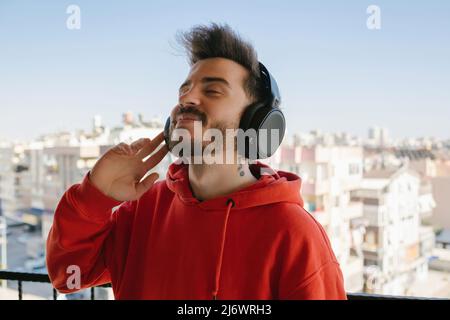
<point x="230" y="204"/>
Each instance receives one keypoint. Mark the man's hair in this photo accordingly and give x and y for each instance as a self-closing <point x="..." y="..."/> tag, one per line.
<point x="213" y="41"/>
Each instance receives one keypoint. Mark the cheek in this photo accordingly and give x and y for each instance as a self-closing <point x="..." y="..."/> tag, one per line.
<point x="224" y="120"/>
<point x="219" y="118"/>
<point x="226" y="111"/>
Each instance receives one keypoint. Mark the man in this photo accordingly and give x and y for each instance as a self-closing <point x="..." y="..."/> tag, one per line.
<point x="208" y="231"/>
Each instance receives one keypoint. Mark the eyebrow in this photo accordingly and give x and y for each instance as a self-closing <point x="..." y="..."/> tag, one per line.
<point x="206" y="80"/>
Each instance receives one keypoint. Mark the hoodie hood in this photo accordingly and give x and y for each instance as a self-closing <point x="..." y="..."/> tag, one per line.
<point x="271" y="187"/>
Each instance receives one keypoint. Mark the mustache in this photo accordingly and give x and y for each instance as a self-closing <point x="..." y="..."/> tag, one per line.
<point x="193" y="111"/>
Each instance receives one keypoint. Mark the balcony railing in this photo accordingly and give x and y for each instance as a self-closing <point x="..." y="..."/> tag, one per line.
<point x="21" y="277"/>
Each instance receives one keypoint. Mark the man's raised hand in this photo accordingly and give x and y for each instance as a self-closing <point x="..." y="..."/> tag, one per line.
<point x="119" y="171"/>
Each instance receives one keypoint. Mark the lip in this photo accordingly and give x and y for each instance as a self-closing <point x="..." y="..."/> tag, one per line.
<point x="187" y="118"/>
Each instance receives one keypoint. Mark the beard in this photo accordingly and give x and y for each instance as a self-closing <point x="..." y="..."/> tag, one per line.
<point x="197" y="145"/>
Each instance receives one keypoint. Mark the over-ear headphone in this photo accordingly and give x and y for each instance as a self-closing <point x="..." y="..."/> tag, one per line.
<point x="262" y="115"/>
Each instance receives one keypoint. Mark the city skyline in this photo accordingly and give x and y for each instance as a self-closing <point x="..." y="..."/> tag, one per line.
<point x="334" y="73"/>
<point x="118" y="122"/>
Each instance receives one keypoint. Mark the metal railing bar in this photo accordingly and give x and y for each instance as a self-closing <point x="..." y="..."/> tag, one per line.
<point x="44" y="278"/>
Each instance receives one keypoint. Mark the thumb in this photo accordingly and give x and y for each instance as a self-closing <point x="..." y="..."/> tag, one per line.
<point x="146" y="184"/>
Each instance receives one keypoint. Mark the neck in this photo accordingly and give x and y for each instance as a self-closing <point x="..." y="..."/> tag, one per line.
<point x="215" y="180"/>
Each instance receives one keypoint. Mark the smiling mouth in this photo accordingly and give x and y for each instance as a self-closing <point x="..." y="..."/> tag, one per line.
<point x="182" y="122"/>
<point x="186" y="118"/>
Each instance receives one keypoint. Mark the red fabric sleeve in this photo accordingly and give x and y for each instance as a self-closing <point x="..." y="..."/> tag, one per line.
<point x="82" y="235"/>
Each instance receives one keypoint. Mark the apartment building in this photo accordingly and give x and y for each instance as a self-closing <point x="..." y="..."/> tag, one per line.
<point x="396" y="245"/>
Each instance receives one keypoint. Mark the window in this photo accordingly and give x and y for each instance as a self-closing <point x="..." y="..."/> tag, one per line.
<point x="353" y="169"/>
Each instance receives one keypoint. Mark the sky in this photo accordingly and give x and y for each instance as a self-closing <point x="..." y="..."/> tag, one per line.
<point x="333" y="72"/>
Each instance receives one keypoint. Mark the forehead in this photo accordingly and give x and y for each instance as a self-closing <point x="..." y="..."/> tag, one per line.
<point x="227" y="69"/>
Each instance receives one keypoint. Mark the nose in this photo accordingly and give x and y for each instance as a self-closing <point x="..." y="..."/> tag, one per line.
<point x="190" y="97"/>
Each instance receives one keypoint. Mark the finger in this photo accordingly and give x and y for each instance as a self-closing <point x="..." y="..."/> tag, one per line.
<point x="150" y="146"/>
<point x="143" y="186"/>
<point x="122" y="148"/>
<point x="139" y="144"/>
<point x="156" y="158"/>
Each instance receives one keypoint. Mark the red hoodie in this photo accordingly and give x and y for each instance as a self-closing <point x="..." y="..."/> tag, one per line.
<point x="256" y="243"/>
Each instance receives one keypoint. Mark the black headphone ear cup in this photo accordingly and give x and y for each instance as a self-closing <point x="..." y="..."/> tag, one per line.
<point x="272" y="126"/>
<point x="261" y="117"/>
<point x="167" y="131"/>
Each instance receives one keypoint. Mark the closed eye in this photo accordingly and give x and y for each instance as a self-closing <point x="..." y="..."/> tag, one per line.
<point x="213" y="92"/>
<point x="182" y="91"/>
